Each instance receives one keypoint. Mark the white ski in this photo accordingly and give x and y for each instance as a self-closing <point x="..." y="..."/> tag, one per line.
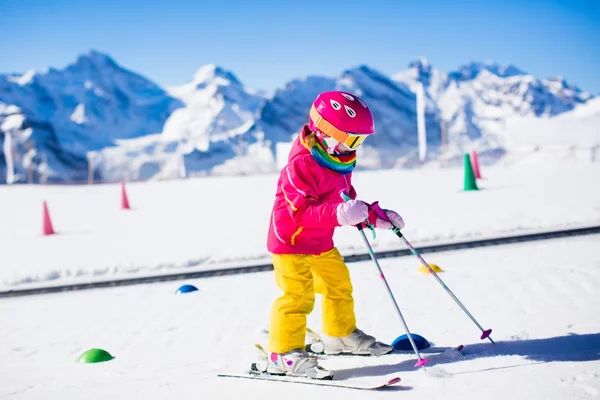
<point x="349" y="383"/>
<point x="327" y="380"/>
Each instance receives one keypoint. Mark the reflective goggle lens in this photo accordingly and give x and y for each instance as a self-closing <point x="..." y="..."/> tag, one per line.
<point x="354" y="140"/>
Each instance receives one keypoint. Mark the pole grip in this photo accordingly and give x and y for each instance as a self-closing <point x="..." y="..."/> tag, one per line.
<point x="344" y="196"/>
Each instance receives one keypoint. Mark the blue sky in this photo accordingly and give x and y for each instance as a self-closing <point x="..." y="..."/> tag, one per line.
<point x="267" y="43"/>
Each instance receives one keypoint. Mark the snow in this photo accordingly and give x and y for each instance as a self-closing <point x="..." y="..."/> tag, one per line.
<point x="6" y="109"/>
<point x="79" y="115"/>
<point x="216" y="102"/>
<point x="591" y="108"/>
<point x="14" y="121"/>
<point x="282" y="152"/>
<point x="540" y="298"/>
<point x="257" y="159"/>
<point x="579" y="128"/>
<point x="24" y="79"/>
<point x="137" y="159"/>
<point x="185" y="225"/>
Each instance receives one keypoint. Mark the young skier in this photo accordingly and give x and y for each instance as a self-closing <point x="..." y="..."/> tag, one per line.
<point x="307" y="209"/>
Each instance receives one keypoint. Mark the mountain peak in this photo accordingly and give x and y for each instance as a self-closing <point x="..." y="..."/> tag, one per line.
<point x="214" y="73"/>
<point x="421" y="63"/>
<point x="471" y="70"/>
<point x="95" y="58"/>
<point x="559" y="78"/>
<point x="364" y="70"/>
<point x="419" y="69"/>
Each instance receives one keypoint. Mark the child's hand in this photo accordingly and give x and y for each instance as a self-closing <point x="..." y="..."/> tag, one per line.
<point x="352" y="212"/>
<point x="384" y="219"/>
<point x="394" y="219"/>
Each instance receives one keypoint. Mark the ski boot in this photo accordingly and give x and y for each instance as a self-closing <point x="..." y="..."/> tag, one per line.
<point x="295" y="362"/>
<point x="358" y="343"/>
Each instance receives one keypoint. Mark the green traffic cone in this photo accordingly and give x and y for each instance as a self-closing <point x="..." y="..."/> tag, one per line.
<point x="95" y="356"/>
<point x="470" y="182"/>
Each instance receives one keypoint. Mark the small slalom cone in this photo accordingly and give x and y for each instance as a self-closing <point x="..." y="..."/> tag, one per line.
<point x="47" y="228"/>
<point x="403" y="343"/>
<point x="124" y="199"/>
<point x="94" y="356"/>
<point x="434" y="267"/>
<point x="470" y="182"/>
<point x="475" y="162"/>
<point x="186" y="289"/>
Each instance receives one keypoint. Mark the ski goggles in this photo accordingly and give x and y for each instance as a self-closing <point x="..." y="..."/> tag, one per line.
<point x="348" y="139"/>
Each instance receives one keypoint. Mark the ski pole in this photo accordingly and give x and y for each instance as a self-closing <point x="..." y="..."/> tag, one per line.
<point x="421" y="361"/>
<point x="485" y="333"/>
<point x="381" y="214"/>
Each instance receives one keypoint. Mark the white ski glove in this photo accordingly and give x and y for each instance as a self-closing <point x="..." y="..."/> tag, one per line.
<point x="352" y="212"/>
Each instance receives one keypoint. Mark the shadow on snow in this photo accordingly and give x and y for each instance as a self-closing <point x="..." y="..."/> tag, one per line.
<point x="572" y="348"/>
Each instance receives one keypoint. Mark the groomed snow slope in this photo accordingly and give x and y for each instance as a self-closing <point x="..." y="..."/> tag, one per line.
<point x="541" y="300"/>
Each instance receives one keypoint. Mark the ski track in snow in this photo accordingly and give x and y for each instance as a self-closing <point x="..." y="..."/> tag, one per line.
<point x="535" y="296"/>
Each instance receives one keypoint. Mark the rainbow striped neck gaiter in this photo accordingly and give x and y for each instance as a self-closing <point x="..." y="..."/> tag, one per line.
<point x="341" y="163"/>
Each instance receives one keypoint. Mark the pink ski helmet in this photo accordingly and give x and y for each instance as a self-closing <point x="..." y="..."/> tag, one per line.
<point x="342" y="116"/>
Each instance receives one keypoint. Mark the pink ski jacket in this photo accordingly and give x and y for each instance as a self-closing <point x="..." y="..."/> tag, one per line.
<point x="304" y="216"/>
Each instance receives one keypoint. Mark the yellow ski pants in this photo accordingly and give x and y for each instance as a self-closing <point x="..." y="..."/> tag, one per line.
<point x="300" y="277"/>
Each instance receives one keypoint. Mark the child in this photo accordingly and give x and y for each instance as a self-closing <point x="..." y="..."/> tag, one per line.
<point x="307" y="209"/>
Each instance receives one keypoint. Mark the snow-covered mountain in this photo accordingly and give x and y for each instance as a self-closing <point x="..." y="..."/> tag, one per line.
<point x="214" y="125"/>
<point x="131" y="128"/>
<point x="55" y="116"/>
<point x="393" y="105"/>
<point x="476" y="100"/>
<point x="224" y="127"/>
<point x="217" y="108"/>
